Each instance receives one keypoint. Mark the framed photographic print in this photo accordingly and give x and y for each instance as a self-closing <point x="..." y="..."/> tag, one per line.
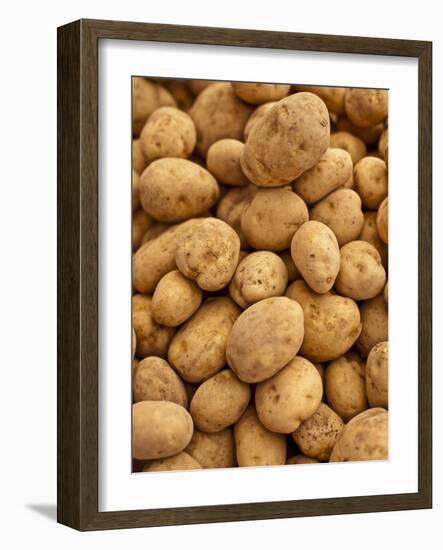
<point x="223" y="268"/>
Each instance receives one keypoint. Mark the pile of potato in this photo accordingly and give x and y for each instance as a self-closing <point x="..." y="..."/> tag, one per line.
<point x="260" y="294"/>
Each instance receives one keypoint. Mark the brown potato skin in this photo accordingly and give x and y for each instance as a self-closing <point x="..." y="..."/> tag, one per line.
<point x="275" y="158"/>
<point x="374" y="318"/>
<point x="331" y="322"/>
<point x="152" y="338"/>
<point x="369" y="135"/>
<point x="218" y="113"/>
<point x="219" y="402"/>
<point x="376" y="375"/>
<point x="370" y="234"/>
<point x="383" y="145"/>
<point x="174" y="190"/>
<point x="265" y="338"/>
<point x="365" y="437"/>
<point x="181" y="93"/>
<point x="141" y="222"/>
<point x="155" y="380"/>
<point x="169" y="132"/>
<point x="175" y="299"/>
<point x="317" y="435"/>
<point x="230" y="209"/>
<point x="147" y="96"/>
<point x="382" y="221"/>
<point x="270" y="219"/>
<point x="371" y="181"/>
<point x="223" y="161"/>
<point x="180" y="461"/>
<point x="208" y="254"/>
<point x="255" y="445"/>
<point x="213" y="450"/>
<point x="355" y="146"/>
<point x="198" y="350"/>
<point x="159" y="429"/>
<point x="197" y="86"/>
<point x="318" y="269"/>
<point x="345" y="386"/>
<point x="258" y="93"/>
<point x="333" y="170"/>
<point x="139" y="161"/>
<point x="333" y="97"/>
<point x="302" y="459"/>
<point x="366" y="107"/>
<point x="135" y="191"/>
<point x="289" y="397"/>
<point x="257" y="115"/>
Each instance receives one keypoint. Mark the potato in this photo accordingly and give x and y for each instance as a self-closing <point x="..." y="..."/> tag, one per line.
<point x="141" y="222"/>
<point x="374" y="317"/>
<point x="365" y="437"/>
<point x="332" y="170"/>
<point x="159" y="429"/>
<point x="257" y="115"/>
<point x="270" y="219"/>
<point x="155" y="230"/>
<point x="175" y="299"/>
<point x="302" y="459"/>
<point x="316" y="254"/>
<point x="369" y="135"/>
<point x="366" y="107"/>
<point x="383" y="145"/>
<point x="223" y="161"/>
<point x="135" y="191"/>
<point x="134" y="365"/>
<point x="289" y="397"/>
<point x="293" y="272"/>
<point x="287" y="141"/>
<point x="355" y="146"/>
<point x="258" y="93"/>
<point x="219" y="402"/>
<point x="147" y="96"/>
<point x="340" y="211"/>
<point x="265" y="338"/>
<point x="169" y="132"/>
<point x="139" y="161"/>
<point x="213" y="450"/>
<point x="331" y="322"/>
<point x="317" y="435"/>
<point x="217" y="114"/>
<point x="345" y="386"/>
<point x="152" y="338"/>
<point x="180" y="461"/>
<point x="385" y="293"/>
<point x="173" y="190"/>
<point x="197" y="86"/>
<point x="258" y="276"/>
<point x="183" y="96"/>
<point x="198" y="350"/>
<point x="362" y="275"/>
<point x="376" y="375"/>
<point x="371" y="181"/>
<point x="370" y="235"/>
<point x="231" y="206"/>
<point x="255" y="445"/>
<point x="382" y="221"/>
<point x="156" y="257"/>
<point x="133" y="343"/>
<point x="332" y="96"/>
<point x="155" y="380"/>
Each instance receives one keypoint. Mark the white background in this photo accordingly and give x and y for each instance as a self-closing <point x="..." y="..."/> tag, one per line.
<point x="28" y="299"/>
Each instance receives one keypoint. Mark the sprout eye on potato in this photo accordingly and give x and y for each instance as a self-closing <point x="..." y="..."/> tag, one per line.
<point x="259" y="269"/>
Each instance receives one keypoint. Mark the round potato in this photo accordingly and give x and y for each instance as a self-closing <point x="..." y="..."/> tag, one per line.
<point x="369" y="135"/>
<point x="180" y="461"/>
<point x="198" y="350"/>
<point x="366" y="107"/>
<point x="173" y="190"/>
<point x="289" y="397"/>
<point x="345" y="386"/>
<point x="255" y="445"/>
<point x="257" y="115"/>
<point x="340" y="211"/>
<point x="332" y="96"/>
<point x="169" y="132"/>
<point x="223" y="160"/>
<point x="374" y="317"/>
<point x="141" y="222"/>
<point x="331" y="322"/>
<point x="362" y="275"/>
<point x="365" y="437"/>
<point x="371" y="181"/>
<point x="218" y="113"/>
<point x="382" y="221"/>
<point x="152" y="338"/>
<point x="231" y="206"/>
<point x="376" y="375"/>
<point x="290" y="138"/>
<point x="265" y="338"/>
<point x="270" y="219"/>
<point x="219" y="402"/>
<point x="135" y="191"/>
<point x="155" y="380"/>
<point x="355" y="146"/>
<point x="139" y="161"/>
<point x="208" y="254"/>
<point x="316" y="254"/>
<point x="370" y="234"/>
<point x="293" y="272"/>
<point x="258" y="276"/>
<point x="302" y="459"/>
<point x="159" y="429"/>
<point x="213" y="450"/>
<point x="317" y="435"/>
<point x="333" y="170"/>
<point x="147" y="96"/>
<point x="175" y="299"/>
<point x="258" y="93"/>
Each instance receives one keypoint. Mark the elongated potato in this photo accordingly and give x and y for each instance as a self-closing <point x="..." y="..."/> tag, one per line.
<point x="374" y="317"/>
<point x="376" y="375"/>
<point x="151" y="338"/>
<point x="315" y="251"/>
<point x="371" y="181"/>
<point x="213" y="450"/>
<point x="258" y="93"/>
<point x="180" y="461"/>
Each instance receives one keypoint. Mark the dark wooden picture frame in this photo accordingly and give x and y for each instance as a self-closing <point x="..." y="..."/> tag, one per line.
<point x="77" y="478"/>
